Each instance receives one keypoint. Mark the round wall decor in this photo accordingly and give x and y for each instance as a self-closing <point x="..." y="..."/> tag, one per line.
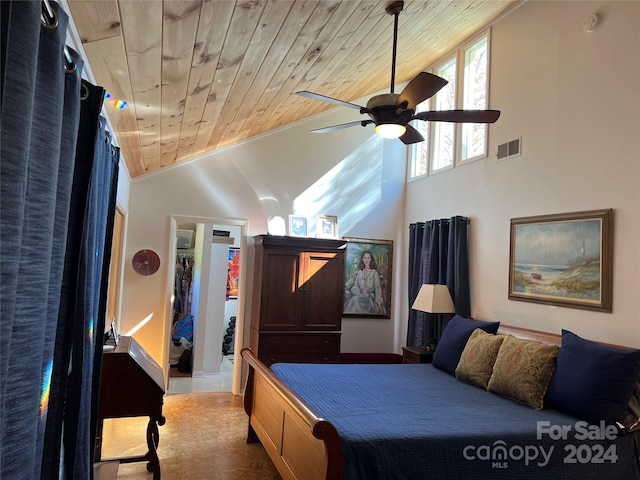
<point x="145" y="262"/>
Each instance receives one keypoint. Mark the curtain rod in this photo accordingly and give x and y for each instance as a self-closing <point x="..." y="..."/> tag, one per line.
<point x="466" y="219"/>
<point x="447" y="220"/>
<point x="50" y="19"/>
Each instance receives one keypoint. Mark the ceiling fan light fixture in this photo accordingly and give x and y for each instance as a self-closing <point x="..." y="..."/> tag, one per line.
<point x="390" y="130"/>
<point x="392" y="112"/>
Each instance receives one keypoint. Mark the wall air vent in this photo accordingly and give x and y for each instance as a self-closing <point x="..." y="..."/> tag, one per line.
<point x="509" y="149"/>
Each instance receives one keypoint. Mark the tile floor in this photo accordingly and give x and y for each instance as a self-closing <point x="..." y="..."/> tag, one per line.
<point x="219" y="382"/>
<point x="204" y="437"/>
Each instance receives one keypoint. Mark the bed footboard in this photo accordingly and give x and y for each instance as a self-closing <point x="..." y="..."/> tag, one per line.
<point x="300" y="444"/>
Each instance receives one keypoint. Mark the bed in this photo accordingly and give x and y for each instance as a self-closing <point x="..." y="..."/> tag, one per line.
<point x="361" y="421"/>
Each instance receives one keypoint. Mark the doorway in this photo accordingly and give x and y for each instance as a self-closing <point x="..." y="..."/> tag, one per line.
<point x="114" y="289"/>
<point x="213" y="303"/>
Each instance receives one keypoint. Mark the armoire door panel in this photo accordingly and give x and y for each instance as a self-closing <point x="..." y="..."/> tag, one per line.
<point x="322" y="294"/>
<point x="279" y="306"/>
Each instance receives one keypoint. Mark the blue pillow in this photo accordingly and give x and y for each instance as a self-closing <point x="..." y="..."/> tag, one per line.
<point x="453" y="340"/>
<point x="592" y="381"/>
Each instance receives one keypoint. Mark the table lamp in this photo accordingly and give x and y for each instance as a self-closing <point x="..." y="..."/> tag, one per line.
<point x="433" y="298"/>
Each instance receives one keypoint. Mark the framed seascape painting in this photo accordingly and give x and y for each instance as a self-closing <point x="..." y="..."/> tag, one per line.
<point x="563" y="259"/>
<point x="367" y="278"/>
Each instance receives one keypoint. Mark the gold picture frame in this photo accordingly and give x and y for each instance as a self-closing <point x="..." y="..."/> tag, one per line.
<point x="368" y="296"/>
<point x="563" y="259"/>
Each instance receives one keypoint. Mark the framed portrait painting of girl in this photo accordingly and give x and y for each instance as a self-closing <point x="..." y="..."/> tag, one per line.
<point x="367" y="278"/>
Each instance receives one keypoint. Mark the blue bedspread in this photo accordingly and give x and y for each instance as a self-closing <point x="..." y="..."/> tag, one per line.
<point x="417" y="422"/>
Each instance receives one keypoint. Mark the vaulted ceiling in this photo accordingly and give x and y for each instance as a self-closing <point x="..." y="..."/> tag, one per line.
<point x="198" y="75"/>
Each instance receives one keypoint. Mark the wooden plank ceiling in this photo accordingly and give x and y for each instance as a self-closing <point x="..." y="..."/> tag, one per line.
<point x="198" y="75"/>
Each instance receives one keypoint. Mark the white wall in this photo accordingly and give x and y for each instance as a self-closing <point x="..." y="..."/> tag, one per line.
<point x="574" y="98"/>
<point x="350" y="173"/>
<point x="215" y="308"/>
<point x="124" y="181"/>
<point x="231" y="305"/>
<point x="199" y="300"/>
<point x="571" y="95"/>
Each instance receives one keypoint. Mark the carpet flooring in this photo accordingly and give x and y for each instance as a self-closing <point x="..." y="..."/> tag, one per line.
<point x="203" y="438"/>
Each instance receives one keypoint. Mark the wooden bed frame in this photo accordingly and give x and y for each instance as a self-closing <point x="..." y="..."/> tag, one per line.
<point x="302" y="445"/>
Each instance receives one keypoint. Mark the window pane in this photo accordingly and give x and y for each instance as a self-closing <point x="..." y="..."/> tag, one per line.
<point x="420" y="151"/>
<point x="444" y="131"/>
<point x="443" y="140"/>
<point x="421" y="159"/>
<point x="474" y="135"/>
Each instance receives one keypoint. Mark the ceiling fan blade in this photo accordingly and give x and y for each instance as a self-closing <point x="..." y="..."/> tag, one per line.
<point x="459" y="116"/>
<point x="332" y="128"/>
<point x="324" y="98"/>
<point x="424" y="85"/>
<point x="411" y="136"/>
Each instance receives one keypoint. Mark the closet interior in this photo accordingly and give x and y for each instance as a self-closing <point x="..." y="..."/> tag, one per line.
<point x="206" y="274"/>
<point x="181" y="347"/>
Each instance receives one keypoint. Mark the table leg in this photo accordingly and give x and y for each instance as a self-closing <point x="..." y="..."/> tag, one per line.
<point x="153" y="439"/>
<point x="97" y="452"/>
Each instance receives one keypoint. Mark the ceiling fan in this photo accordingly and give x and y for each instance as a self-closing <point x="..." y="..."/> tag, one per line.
<point x="392" y="112"/>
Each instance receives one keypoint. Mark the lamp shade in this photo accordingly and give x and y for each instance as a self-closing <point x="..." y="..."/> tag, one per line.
<point x="434" y="299"/>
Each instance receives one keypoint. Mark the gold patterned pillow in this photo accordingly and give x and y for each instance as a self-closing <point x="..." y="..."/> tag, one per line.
<point x="477" y="359"/>
<point x="523" y="370"/>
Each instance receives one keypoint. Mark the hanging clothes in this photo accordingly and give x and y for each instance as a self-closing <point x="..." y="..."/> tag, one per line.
<point x="177" y="288"/>
<point x="187" y="288"/>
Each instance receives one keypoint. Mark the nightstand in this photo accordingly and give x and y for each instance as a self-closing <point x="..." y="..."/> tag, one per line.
<point x="416" y="355"/>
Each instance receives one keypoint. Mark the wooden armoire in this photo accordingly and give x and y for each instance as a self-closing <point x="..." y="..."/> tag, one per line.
<point x="296" y="312"/>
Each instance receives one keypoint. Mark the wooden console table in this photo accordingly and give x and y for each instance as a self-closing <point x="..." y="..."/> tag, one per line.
<point x="132" y="385"/>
